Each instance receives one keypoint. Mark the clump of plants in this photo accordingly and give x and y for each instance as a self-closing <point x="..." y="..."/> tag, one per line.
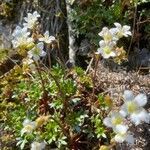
<point x="89" y="17"/>
<point x="62" y="108"/>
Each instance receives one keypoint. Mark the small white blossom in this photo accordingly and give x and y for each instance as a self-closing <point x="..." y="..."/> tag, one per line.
<point x="106" y="49"/>
<point x="37" y="52"/>
<point x="38" y="146"/>
<point x="108" y="35"/>
<point x="133" y="107"/>
<point x="47" y="39"/>
<point x="110" y="38"/>
<point x="21" y="37"/>
<point x="123" y="135"/>
<point x="31" y="20"/>
<point x="114" y="120"/>
<point x="18" y="31"/>
<point x="28" y="126"/>
<point x="122" y="30"/>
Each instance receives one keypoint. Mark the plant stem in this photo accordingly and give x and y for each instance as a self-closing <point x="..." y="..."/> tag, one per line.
<point x="94" y="76"/>
<point x="40" y="75"/>
<point x="133" y="31"/>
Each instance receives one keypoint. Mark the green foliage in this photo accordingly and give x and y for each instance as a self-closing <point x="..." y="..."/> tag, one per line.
<point x="85" y="80"/>
<point x="90" y="20"/>
<point x="59" y="111"/>
<point x="52" y="132"/>
<point x="68" y="87"/>
<point x="99" y="127"/>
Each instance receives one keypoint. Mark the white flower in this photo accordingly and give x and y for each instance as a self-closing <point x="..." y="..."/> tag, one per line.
<point x="122" y="30"/>
<point x="108" y="35"/>
<point x="133" y="107"/>
<point x="31" y="20"/>
<point x="18" y="31"/>
<point x="37" y="52"/>
<point x="107" y="49"/>
<point x="28" y="126"/>
<point x="38" y="146"/>
<point x="123" y="135"/>
<point x="114" y="120"/>
<point x="47" y="39"/>
<point x="21" y="37"/>
<point x="140" y="116"/>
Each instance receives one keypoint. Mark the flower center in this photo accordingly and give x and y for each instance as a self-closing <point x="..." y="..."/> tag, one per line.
<point x="117" y="120"/>
<point x="107" y="50"/>
<point x="108" y="37"/>
<point x="120" y="34"/>
<point x="131" y="107"/>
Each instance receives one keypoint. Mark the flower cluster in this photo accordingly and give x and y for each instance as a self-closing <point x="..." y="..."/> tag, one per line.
<point x="31" y="19"/>
<point x="133" y="110"/>
<point x="22" y="37"/>
<point x="110" y="37"/>
<point x="29" y="126"/>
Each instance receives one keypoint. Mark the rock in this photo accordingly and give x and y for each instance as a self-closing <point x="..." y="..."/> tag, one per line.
<point x="139" y="58"/>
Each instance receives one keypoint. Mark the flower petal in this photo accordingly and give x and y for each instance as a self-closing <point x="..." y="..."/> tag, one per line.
<point x="46" y="34"/>
<point x="123" y="111"/>
<point x="126" y="28"/>
<point x="41" y="39"/>
<point x="128" y="33"/>
<point x="26" y="121"/>
<point x="141" y="99"/>
<point x="43" y="53"/>
<point x="135" y="119"/>
<point x="128" y="95"/>
<point x="144" y="116"/>
<point x="121" y="129"/>
<point x="119" y="138"/>
<point x="40" y="45"/>
<point x="130" y="139"/>
<point x="52" y="38"/>
<point x="118" y="25"/>
<point x="102" y="43"/>
<point x="106" y="56"/>
<point x="107" y="122"/>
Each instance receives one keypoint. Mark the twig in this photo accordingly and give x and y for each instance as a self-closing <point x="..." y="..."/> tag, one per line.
<point x="133" y="31"/>
<point x="89" y="66"/>
<point x="141" y="22"/>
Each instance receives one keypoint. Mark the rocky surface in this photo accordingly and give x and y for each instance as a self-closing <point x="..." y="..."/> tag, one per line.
<point x="114" y="83"/>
